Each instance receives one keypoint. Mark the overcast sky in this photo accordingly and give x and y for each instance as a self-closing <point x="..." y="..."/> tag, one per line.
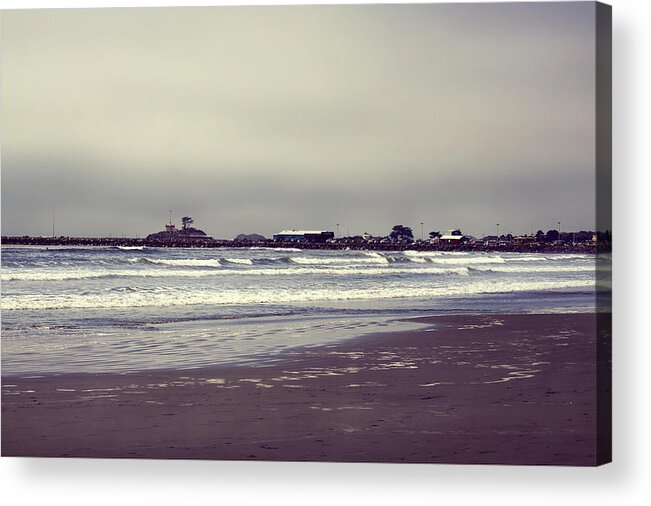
<point x="259" y="119"/>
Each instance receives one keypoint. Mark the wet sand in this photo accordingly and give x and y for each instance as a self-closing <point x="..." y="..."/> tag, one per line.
<point x="503" y="389"/>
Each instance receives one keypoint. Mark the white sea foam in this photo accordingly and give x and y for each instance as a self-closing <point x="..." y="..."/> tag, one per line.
<point x="241" y="261"/>
<point x="275" y="296"/>
<point x="263" y="248"/>
<point x="377" y="256"/>
<point x="78" y="274"/>
<point x="339" y="260"/>
<point x="533" y="269"/>
<point x="468" y="261"/>
<point x="570" y="256"/>
<point x="438" y="258"/>
<point x="184" y="262"/>
<point x="522" y="258"/>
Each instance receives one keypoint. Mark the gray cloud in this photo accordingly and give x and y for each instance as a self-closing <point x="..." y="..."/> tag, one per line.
<point x="256" y="119"/>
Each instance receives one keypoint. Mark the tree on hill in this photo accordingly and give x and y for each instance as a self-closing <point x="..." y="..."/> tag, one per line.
<point x="187" y="222"/>
<point x="401" y="233"/>
<point x="434" y="234"/>
<point x="551" y="236"/>
<point x="250" y="237"/>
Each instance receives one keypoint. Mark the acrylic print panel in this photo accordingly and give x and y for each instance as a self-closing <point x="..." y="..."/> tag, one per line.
<point x="329" y="233"/>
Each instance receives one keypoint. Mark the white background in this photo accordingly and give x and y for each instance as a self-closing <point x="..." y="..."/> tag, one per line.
<point x="625" y="481"/>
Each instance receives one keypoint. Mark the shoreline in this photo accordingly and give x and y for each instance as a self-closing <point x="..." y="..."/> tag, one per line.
<point x="501" y="389"/>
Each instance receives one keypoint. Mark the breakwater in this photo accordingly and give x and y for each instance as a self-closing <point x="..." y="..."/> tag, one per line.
<point x="341" y="244"/>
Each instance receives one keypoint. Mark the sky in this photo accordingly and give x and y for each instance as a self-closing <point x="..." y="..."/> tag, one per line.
<point x="259" y="119"/>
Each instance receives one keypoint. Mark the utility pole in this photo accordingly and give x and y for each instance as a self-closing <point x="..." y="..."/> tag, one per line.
<point x="421" y="230"/>
<point x="337" y="230"/>
<point x="559" y="230"/>
<point x="498" y="233"/>
<point x="53" y="220"/>
<point x="170" y="216"/>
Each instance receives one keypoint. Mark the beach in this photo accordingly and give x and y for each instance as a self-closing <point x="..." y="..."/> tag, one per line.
<point x="489" y="388"/>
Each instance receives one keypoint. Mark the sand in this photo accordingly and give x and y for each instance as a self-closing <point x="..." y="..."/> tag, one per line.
<point x="500" y="389"/>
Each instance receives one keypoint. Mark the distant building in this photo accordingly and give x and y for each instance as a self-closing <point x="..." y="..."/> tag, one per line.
<point x="304" y="236"/>
<point x="523" y="240"/>
<point x="452" y="237"/>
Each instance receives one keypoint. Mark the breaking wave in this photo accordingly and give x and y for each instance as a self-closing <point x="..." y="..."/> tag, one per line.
<point x="179" y="262"/>
<point x="263" y="248"/>
<point x="339" y="261"/>
<point x="130" y="248"/>
<point x="166" y="298"/>
<point x="43" y="275"/>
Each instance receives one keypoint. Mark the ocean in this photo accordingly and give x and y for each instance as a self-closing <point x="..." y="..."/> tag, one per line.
<point x="123" y="309"/>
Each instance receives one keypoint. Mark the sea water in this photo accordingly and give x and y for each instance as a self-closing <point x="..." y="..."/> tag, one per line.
<point x="120" y="309"/>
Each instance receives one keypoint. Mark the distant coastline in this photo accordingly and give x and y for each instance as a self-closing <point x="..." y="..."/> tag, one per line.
<point x="340" y="244"/>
